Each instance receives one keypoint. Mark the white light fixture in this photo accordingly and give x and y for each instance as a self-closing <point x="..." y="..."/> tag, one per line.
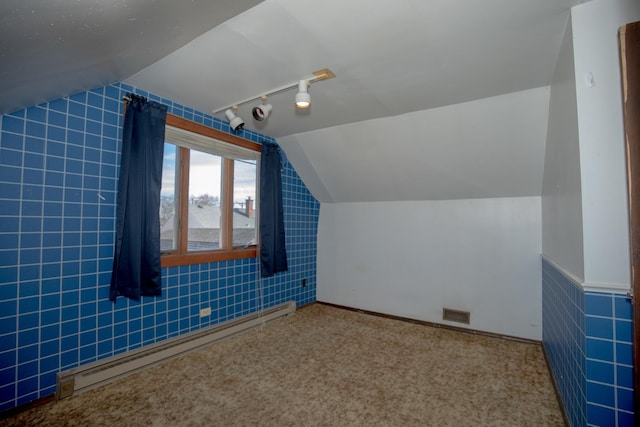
<point x="235" y="122"/>
<point x="261" y="112"/>
<point x="303" y="99"/>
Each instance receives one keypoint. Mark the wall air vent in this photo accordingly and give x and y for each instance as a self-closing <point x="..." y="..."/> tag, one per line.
<point x="456" y="316"/>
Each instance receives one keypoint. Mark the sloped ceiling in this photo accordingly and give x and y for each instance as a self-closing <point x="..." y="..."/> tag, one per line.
<point x="55" y="48"/>
<point x="493" y="147"/>
<point x="399" y="65"/>
<point x="390" y="57"/>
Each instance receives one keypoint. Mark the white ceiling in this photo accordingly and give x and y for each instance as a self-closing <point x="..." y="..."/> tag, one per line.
<point x="55" y="48"/>
<point x="394" y="61"/>
<point x="390" y="57"/>
<point x="492" y="147"/>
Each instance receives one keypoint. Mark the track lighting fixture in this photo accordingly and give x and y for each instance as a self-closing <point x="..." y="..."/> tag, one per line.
<point x="262" y="112"/>
<point x="235" y="122"/>
<point x="303" y="99"/>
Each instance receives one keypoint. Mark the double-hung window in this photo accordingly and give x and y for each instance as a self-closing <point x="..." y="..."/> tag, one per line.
<point x="208" y="200"/>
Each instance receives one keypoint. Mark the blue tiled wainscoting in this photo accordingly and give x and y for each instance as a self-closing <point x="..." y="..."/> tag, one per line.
<point x="59" y="164"/>
<point x="609" y="359"/>
<point x="588" y="339"/>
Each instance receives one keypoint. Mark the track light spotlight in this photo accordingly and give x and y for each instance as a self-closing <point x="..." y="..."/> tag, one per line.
<point x="261" y="112"/>
<point x="303" y="99"/>
<point x="235" y="122"/>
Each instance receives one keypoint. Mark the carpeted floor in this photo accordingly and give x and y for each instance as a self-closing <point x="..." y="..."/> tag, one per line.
<point x="325" y="366"/>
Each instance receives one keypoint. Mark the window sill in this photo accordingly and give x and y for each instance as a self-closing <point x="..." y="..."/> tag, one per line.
<point x="173" y="260"/>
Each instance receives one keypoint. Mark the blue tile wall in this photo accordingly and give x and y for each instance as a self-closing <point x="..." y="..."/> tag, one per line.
<point x="564" y="341"/>
<point x="588" y="339"/>
<point x="59" y="165"/>
<point x="609" y="359"/>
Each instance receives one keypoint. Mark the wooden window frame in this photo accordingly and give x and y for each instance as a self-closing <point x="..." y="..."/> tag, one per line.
<point x="181" y="256"/>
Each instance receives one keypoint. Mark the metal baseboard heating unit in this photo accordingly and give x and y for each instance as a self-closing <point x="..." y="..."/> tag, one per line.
<point x="102" y="372"/>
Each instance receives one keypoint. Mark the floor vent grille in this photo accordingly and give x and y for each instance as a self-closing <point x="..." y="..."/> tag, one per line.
<point x="456" y="316"/>
<point x="104" y="371"/>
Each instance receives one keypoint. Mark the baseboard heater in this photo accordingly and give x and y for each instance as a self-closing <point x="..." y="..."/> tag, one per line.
<point x="104" y="371"/>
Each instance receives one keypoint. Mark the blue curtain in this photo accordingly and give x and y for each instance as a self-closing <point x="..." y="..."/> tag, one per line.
<point x="136" y="261"/>
<point x="273" y="255"/>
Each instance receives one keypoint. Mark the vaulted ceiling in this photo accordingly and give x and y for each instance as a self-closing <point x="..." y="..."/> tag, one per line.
<point x="432" y="99"/>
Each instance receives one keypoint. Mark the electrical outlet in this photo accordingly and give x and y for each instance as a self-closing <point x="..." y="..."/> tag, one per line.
<point x="65" y="387"/>
<point x="304" y="283"/>
<point x="204" y="312"/>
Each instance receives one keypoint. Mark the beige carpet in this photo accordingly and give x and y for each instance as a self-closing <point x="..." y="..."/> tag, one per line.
<point x="325" y="366"/>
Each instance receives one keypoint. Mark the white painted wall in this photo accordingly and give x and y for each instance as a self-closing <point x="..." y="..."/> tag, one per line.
<point x="561" y="188"/>
<point x="413" y="258"/>
<point x="602" y="154"/>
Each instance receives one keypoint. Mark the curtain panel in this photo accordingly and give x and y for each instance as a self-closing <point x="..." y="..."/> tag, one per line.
<point x="273" y="254"/>
<point x="136" y="262"/>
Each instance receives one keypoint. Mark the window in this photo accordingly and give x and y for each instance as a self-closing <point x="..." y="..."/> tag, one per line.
<point x="208" y="209"/>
